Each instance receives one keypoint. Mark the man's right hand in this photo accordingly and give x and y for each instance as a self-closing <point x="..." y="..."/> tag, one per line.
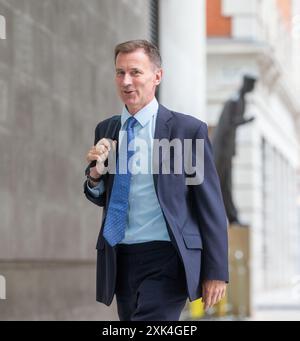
<point x="99" y="152"/>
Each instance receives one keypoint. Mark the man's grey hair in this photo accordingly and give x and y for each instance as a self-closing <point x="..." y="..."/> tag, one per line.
<point x="132" y="45"/>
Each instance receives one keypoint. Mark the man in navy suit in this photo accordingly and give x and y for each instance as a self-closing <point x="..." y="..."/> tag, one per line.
<point x="163" y="236"/>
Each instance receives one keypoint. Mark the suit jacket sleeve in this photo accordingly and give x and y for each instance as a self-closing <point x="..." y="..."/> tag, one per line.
<point x="209" y="207"/>
<point x="101" y="199"/>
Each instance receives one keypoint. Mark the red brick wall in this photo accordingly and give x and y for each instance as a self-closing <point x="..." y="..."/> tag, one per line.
<point x="285" y="10"/>
<point x="217" y="25"/>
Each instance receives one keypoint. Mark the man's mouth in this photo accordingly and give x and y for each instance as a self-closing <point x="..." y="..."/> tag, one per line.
<point x="128" y="92"/>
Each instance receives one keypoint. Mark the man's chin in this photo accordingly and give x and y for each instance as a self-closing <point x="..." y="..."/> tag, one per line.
<point x="129" y="102"/>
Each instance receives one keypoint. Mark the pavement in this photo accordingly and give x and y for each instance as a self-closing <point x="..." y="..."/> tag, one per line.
<point x="278" y="305"/>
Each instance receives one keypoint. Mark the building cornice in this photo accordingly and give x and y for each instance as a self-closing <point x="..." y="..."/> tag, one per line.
<point x="228" y="46"/>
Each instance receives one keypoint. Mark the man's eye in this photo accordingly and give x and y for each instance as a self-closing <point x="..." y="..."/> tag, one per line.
<point x="120" y="73"/>
<point x="135" y="72"/>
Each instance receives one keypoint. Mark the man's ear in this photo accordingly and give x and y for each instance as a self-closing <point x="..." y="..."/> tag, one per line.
<point x="158" y="76"/>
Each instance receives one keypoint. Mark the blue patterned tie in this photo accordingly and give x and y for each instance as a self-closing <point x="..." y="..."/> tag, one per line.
<point x="116" y="217"/>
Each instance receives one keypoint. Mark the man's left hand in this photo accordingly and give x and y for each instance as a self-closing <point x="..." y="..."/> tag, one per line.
<point x="213" y="292"/>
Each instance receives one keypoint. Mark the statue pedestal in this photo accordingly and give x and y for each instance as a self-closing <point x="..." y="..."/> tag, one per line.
<point x="239" y="300"/>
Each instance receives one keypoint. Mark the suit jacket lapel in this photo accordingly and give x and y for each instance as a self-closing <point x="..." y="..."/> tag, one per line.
<point x="162" y="131"/>
<point x="113" y="134"/>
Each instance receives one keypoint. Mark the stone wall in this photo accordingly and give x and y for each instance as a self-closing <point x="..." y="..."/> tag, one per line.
<point x="56" y="84"/>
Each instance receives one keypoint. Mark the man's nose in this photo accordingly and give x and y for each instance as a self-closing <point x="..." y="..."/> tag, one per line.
<point x="127" y="80"/>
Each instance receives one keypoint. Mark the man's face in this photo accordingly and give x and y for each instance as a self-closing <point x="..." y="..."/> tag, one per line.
<point x="136" y="79"/>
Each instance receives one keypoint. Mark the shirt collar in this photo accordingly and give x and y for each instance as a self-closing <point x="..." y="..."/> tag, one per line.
<point x="143" y="116"/>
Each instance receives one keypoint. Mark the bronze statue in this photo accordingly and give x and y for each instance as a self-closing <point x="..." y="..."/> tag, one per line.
<point x="223" y="143"/>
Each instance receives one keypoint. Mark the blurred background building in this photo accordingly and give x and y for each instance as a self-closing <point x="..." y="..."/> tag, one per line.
<point x="261" y="37"/>
<point x="57" y="83"/>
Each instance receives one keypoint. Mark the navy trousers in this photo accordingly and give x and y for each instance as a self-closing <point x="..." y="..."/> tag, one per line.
<point x="151" y="283"/>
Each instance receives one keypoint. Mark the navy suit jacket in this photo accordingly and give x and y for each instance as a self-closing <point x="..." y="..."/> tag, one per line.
<point x="194" y="214"/>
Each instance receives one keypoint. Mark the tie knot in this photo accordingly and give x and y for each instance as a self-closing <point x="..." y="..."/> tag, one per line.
<point x="131" y="122"/>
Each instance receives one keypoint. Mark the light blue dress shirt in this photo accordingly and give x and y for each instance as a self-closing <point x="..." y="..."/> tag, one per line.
<point x="145" y="219"/>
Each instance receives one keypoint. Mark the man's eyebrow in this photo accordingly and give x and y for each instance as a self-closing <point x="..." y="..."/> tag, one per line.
<point x="132" y="69"/>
